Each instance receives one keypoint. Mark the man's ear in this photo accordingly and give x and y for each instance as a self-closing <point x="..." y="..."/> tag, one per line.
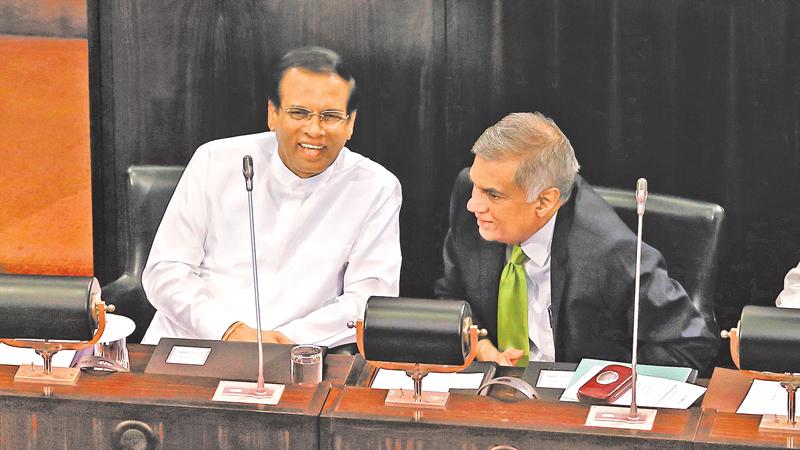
<point x="549" y="200"/>
<point x="272" y="113"/>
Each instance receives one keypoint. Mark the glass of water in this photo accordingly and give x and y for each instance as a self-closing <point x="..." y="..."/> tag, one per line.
<point x="306" y="364"/>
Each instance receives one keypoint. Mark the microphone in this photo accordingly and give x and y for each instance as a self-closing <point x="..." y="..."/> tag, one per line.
<point x="247" y="171"/>
<point x="641" y="199"/>
<point x="641" y="195"/>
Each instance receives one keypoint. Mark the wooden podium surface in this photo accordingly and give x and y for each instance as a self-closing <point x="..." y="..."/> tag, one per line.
<point x="354" y="417"/>
<point x="177" y="412"/>
<point x="172" y="412"/>
<point x="721" y="427"/>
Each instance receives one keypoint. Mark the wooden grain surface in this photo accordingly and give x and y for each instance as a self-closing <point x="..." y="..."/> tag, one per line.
<point x="356" y="417"/>
<point x="721" y="427"/>
<point x="178" y="410"/>
<point x="726" y="390"/>
<point x="338" y="414"/>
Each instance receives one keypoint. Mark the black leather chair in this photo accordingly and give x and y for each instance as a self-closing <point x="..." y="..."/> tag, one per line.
<point x="687" y="232"/>
<point x="148" y="193"/>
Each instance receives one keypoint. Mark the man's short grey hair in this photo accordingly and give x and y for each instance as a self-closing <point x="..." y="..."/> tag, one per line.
<point x="547" y="157"/>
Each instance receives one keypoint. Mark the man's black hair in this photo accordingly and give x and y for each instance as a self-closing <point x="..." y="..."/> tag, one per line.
<point x="316" y="60"/>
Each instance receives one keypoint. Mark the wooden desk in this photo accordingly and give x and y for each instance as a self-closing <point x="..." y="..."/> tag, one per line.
<point x="336" y="414"/>
<point x="721" y="427"/>
<point x="355" y="418"/>
<point x="178" y="412"/>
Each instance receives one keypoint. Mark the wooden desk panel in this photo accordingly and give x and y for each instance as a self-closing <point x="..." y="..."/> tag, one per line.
<point x="179" y="411"/>
<point x="726" y="390"/>
<point x="721" y="427"/>
<point x="80" y="424"/>
<point x="727" y="430"/>
<point x="356" y="418"/>
<point x="180" y="414"/>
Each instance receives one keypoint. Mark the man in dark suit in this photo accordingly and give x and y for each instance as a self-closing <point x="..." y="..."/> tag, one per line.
<point x="523" y="203"/>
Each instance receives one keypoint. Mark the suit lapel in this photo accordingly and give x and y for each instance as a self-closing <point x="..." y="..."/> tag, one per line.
<point x="491" y="261"/>
<point x="559" y="262"/>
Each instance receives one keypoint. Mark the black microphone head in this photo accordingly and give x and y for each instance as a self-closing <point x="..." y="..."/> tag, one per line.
<point x="247" y="171"/>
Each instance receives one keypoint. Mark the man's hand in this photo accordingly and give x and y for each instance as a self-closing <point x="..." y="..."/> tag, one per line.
<point x="488" y="352"/>
<point x="247" y="334"/>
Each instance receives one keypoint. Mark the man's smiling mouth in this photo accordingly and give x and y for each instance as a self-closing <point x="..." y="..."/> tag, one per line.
<point x="312" y="147"/>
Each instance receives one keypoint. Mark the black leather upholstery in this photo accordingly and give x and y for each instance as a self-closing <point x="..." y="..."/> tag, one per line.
<point x="344" y="349"/>
<point x="148" y="193"/>
<point x="687" y="232"/>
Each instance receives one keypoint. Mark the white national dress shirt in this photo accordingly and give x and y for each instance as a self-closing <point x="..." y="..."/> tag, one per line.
<point x="790" y="296"/>
<point x="324" y="245"/>
<point x="537" y="271"/>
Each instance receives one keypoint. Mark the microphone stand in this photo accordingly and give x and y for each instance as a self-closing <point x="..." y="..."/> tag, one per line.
<point x="617" y="417"/>
<point x="641" y="199"/>
<point x="246" y="392"/>
<point x="247" y="170"/>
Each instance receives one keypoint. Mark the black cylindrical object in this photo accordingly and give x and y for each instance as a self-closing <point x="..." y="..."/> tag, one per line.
<point x="417" y="330"/>
<point x="769" y="339"/>
<point x="47" y="307"/>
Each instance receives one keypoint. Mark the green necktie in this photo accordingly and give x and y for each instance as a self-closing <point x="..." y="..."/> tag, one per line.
<point x="512" y="306"/>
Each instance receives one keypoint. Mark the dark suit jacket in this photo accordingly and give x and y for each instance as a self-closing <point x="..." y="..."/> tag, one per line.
<point x="592" y="269"/>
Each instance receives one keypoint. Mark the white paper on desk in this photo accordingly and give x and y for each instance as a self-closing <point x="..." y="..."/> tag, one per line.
<point x="555" y="379"/>
<point x="15" y="356"/>
<point x="651" y="392"/>
<point x="764" y="397"/>
<point x="433" y="382"/>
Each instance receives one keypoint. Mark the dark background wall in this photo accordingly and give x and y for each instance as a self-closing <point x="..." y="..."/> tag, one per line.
<point x="702" y="97"/>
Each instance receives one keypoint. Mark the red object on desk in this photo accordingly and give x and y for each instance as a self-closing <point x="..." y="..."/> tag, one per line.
<point x="610" y="383"/>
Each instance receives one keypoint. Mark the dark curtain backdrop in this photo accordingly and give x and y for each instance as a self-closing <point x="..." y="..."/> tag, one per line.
<point x="702" y="97"/>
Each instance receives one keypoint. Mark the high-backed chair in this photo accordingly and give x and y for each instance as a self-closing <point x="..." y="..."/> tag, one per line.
<point x="148" y="193"/>
<point x="687" y="232"/>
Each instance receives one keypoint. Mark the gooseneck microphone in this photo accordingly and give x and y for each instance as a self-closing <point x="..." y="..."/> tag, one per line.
<point x="641" y="195"/>
<point x="641" y="199"/>
<point x="247" y="171"/>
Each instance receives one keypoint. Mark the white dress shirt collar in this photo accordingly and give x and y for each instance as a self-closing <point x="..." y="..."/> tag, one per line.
<point x="537" y="247"/>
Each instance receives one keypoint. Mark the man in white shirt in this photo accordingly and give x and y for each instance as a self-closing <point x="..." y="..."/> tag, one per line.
<point x="326" y="221"/>
<point x="790" y="296"/>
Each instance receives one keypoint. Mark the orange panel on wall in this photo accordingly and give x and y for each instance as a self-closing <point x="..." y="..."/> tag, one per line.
<point x="45" y="170"/>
